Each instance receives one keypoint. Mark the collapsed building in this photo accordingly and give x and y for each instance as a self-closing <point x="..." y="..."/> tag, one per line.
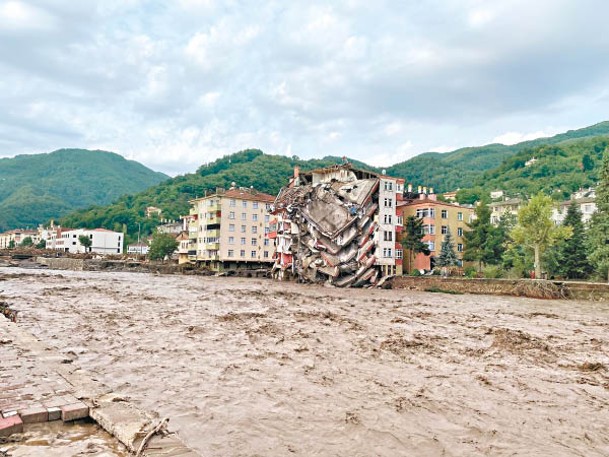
<point x="338" y="225"/>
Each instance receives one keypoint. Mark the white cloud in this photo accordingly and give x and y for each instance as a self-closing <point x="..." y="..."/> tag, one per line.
<point x="509" y="138"/>
<point x="16" y="15"/>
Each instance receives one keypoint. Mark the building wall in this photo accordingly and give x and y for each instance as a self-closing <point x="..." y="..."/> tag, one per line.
<point x="439" y="215"/>
<point x="103" y="241"/>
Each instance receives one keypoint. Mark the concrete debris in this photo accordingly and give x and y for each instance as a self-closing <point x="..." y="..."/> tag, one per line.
<point x="325" y="232"/>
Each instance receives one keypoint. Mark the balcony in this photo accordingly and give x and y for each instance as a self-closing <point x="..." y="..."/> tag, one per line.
<point x="211" y="233"/>
<point x="212" y="246"/>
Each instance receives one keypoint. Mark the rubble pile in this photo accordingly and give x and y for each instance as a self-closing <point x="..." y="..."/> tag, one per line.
<point x="329" y="229"/>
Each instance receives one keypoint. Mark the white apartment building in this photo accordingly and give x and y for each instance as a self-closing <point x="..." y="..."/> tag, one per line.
<point x="102" y="241"/>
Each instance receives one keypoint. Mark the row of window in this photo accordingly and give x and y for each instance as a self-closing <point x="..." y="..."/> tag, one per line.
<point x="253" y="241"/>
<point x="233" y="203"/>
<point x="231" y="215"/>
<point x="388" y="219"/>
<point x="387" y="253"/>
<point x="430" y="229"/>
<point x="431" y="212"/>
<point x="231" y="228"/>
<point x="253" y="254"/>
<point x="432" y="246"/>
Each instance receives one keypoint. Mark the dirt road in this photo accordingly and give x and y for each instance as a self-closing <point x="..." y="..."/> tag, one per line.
<point x="248" y="367"/>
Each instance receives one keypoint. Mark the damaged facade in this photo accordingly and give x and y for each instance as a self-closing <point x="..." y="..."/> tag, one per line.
<point x="338" y="225"/>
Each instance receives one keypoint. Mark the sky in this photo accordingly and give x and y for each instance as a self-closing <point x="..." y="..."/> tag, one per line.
<point x="176" y="84"/>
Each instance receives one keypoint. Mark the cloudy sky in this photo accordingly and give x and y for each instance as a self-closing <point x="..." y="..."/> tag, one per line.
<point x="174" y="84"/>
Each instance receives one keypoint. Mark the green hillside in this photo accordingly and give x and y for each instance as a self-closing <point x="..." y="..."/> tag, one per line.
<point x="461" y="168"/>
<point x="267" y="173"/>
<point x="38" y="187"/>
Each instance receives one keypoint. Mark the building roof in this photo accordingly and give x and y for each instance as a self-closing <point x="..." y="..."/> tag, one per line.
<point x="428" y="202"/>
<point x="241" y="193"/>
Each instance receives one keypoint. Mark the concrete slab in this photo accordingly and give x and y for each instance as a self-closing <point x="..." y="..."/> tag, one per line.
<point x="10" y="425"/>
<point x="74" y="411"/>
<point x="34" y="415"/>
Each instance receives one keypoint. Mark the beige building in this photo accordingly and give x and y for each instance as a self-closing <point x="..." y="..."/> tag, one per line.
<point x="227" y="229"/>
<point x="438" y="218"/>
<point x="507" y="206"/>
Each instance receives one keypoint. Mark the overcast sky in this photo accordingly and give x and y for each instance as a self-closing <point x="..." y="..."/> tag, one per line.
<point x="175" y="84"/>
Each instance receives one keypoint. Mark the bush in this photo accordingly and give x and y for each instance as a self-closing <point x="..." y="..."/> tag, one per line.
<point x="470" y="272"/>
<point x="415" y="272"/>
<point x="493" y="272"/>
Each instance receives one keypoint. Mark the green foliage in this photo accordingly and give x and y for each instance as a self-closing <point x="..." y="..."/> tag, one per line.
<point x="484" y="243"/>
<point x="412" y="239"/>
<point x="11" y="244"/>
<point x="415" y="272"/>
<point x="447" y="257"/>
<point x="42" y="244"/>
<point x="570" y="256"/>
<point x="493" y="272"/>
<point x="162" y="245"/>
<point x="461" y="168"/>
<point x="470" y="272"/>
<point x="598" y="233"/>
<point x="27" y="242"/>
<point x="536" y="230"/>
<point x="266" y="173"/>
<point x="85" y="242"/>
<point x="38" y="187"/>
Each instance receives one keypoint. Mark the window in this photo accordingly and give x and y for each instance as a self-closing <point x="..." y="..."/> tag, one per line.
<point x="231" y="240"/>
<point x="254" y="229"/>
<point x="254" y="217"/>
<point x="242" y="253"/>
<point x="431" y="245"/>
<point x="231" y="215"/>
<point x="400" y="220"/>
<point x="267" y="206"/>
<point x="255" y="205"/>
<point x="267" y="218"/>
<point x="232" y="203"/>
<point x="459" y="216"/>
<point x="254" y="242"/>
<point x="444" y="230"/>
<point x="460" y="247"/>
<point x="387" y="235"/>
<point x="231" y="227"/>
<point x="267" y="242"/>
<point x="388" y="185"/>
<point x="459" y="231"/>
<point x="253" y="254"/>
<point x="429" y="229"/>
<point x="426" y="212"/>
<point x="399" y="253"/>
<point x="388" y="202"/>
<point x="244" y="204"/>
<point x="243" y="229"/>
<point x="387" y="219"/>
<point x="243" y="216"/>
<point x="231" y="253"/>
<point x="444" y="214"/>
<point x="387" y="252"/>
<point x="243" y="240"/>
<point x="266" y="254"/>
<point x="267" y="230"/>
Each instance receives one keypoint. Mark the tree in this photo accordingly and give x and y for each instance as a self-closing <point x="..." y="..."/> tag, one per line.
<point x="484" y="243"/>
<point x="535" y="229"/>
<point x="27" y="242"/>
<point x="598" y="234"/>
<point x="85" y="242"/>
<point x="571" y="255"/>
<point x="411" y="239"/>
<point x="163" y="244"/>
<point x="11" y="244"/>
<point x="447" y="257"/>
<point x="42" y="244"/>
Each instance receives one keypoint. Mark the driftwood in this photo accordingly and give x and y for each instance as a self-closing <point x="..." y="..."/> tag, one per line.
<point x="160" y="428"/>
<point x="539" y="289"/>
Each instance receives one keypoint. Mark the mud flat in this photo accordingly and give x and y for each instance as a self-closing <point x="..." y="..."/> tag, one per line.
<point x="247" y="367"/>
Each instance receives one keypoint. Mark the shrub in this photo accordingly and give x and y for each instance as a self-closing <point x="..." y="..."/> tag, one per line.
<point x="415" y="272"/>
<point x="493" y="272"/>
<point x="470" y="272"/>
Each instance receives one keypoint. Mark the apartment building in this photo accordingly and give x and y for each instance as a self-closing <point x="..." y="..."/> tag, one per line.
<point x="338" y="225"/>
<point x="507" y="206"/>
<point x="14" y="238"/>
<point x="227" y="229"/>
<point x="438" y="218"/>
<point x="102" y="241"/>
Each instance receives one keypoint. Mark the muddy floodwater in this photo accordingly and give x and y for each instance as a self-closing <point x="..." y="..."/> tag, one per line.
<point x="249" y="367"/>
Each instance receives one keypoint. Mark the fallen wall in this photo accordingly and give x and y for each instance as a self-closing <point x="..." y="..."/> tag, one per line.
<point x="515" y="287"/>
<point x="61" y="263"/>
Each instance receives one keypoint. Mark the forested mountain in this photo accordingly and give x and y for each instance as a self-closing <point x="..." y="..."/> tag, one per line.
<point x="38" y="187"/>
<point x="460" y="168"/>
<point x="566" y="162"/>
<point x="267" y="173"/>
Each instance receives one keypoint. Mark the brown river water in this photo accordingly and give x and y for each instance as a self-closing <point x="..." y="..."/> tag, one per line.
<point x="250" y="367"/>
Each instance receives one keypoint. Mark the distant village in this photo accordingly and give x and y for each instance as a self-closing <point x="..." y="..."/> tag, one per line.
<point x="337" y="224"/>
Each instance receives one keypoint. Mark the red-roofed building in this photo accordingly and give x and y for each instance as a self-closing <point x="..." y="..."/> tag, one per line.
<point x="227" y="229"/>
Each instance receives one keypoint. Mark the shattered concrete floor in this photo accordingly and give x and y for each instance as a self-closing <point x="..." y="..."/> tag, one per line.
<point x="248" y="367"/>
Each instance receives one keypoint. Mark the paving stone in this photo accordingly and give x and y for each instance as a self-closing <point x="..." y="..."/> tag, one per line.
<point x="54" y="413"/>
<point x="10" y="425"/>
<point x="9" y="413"/>
<point x="34" y="415"/>
<point x="74" y="411"/>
